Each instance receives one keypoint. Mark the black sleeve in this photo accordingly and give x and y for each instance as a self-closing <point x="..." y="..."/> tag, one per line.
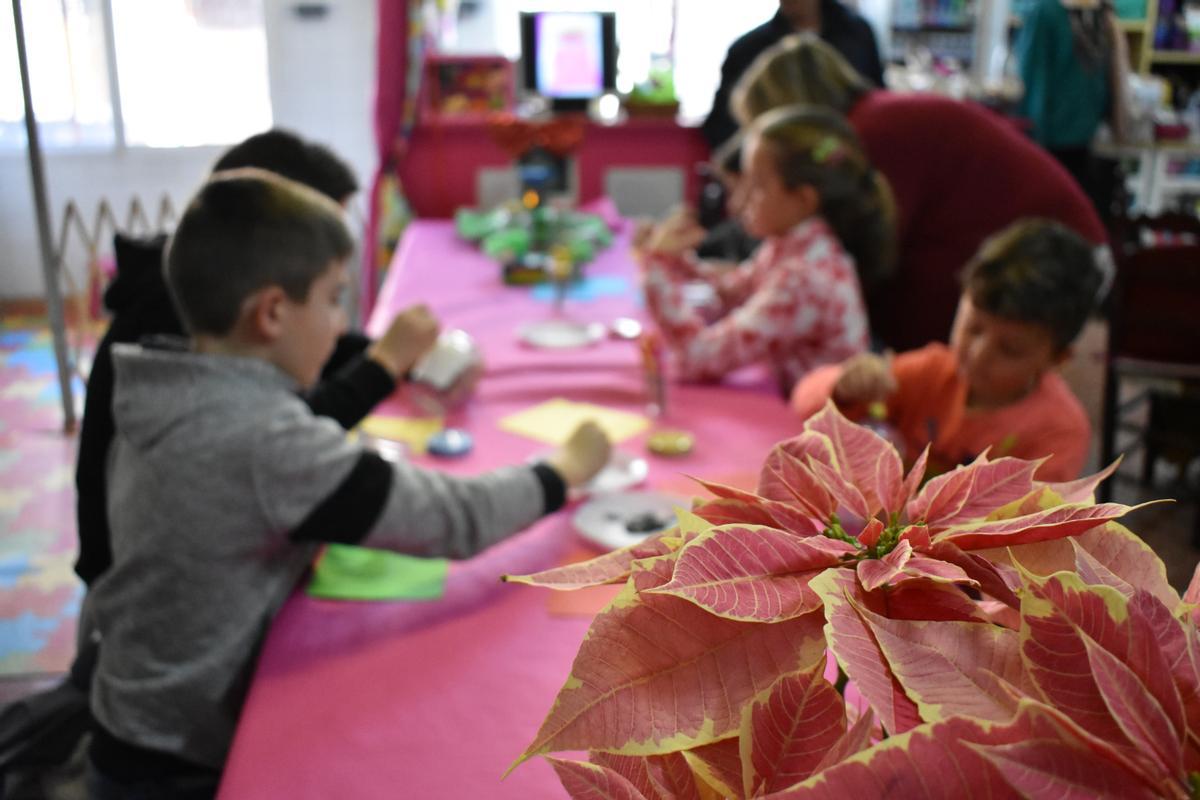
<point x="348" y="514"/>
<point x="873" y="66"/>
<point x="554" y="488"/>
<point x="719" y="125"/>
<point x="95" y="436"/>
<point x="350" y="393"/>
<point x="141" y="307"/>
<point x="349" y="346"/>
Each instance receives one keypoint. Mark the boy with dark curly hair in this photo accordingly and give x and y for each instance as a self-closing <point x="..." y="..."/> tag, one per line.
<point x="1026" y="295"/>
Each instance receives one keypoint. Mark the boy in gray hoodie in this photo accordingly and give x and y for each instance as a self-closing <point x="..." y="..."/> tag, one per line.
<point x="222" y="484"/>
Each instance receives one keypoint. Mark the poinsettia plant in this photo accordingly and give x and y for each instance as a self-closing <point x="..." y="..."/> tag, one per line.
<point x="849" y="627"/>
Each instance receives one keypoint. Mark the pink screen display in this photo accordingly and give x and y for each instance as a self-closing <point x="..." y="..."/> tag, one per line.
<point x="569" y="55"/>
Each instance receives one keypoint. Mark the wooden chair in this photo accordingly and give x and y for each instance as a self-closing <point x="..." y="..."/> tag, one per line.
<point x="1155" y="339"/>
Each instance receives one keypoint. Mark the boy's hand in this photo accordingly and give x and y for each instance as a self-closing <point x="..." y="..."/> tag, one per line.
<point x="583" y="455"/>
<point x="865" y="378"/>
<point x="412" y="332"/>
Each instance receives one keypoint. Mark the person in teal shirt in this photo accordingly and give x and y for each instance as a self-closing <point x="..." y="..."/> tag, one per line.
<point x="1071" y="59"/>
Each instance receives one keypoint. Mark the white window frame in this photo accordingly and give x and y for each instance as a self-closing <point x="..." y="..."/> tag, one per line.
<point x="120" y="142"/>
<point x="114" y="81"/>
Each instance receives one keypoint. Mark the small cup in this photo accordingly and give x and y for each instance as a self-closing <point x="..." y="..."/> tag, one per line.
<point x="445" y="376"/>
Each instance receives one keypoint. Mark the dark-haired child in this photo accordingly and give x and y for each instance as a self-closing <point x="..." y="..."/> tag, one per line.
<point x="222" y="483"/>
<point x="284" y="153"/>
<point x="355" y="379"/>
<point x="826" y="219"/>
<point x="1026" y="295"/>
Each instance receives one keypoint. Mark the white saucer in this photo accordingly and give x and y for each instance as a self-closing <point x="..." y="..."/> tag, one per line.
<point x="605" y="520"/>
<point x="560" y="333"/>
<point x="623" y="471"/>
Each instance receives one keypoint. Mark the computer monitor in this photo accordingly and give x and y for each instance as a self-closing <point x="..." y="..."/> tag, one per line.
<point x="569" y="57"/>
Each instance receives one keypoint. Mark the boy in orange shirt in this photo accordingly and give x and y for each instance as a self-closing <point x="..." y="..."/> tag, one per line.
<point x="1026" y="295"/>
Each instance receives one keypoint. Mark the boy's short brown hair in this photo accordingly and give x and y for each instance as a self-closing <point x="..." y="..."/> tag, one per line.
<point x="1036" y="270"/>
<point x="245" y="230"/>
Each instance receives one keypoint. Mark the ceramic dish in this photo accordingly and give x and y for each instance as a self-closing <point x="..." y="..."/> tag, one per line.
<point x="560" y="334"/>
<point x="613" y="521"/>
<point x="623" y="471"/>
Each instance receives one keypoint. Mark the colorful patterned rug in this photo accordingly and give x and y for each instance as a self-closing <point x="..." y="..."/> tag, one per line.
<point x="39" y="593"/>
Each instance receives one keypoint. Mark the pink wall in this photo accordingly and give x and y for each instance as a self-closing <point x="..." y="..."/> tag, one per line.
<point x="439" y="171"/>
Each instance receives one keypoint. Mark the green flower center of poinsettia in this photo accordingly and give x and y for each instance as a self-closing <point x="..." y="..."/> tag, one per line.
<point x="835" y="531"/>
<point x="888" y="538"/>
<point x="1194" y="784"/>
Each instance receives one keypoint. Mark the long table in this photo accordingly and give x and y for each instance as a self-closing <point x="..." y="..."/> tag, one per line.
<point x="434" y="699"/>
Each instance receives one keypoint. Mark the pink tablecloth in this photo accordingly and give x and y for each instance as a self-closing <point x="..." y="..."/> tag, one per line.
<point x="435" y="699"/>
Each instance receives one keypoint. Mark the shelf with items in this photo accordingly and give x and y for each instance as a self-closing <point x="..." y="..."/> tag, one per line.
<point x="957" y="27"/>
<point x="1168" y="36"/>
<point x="1174" y="57"/>
<point x="944" y="28"/>
<point x="933" y="15"/>
<point x="1136" y="19"/>
<point x="1160" y="174"/>
<point x="1139" y="36"/>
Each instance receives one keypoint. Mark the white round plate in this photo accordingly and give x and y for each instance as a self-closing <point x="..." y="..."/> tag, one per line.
<point x="623" y="471"/>
<point x="560" y="333"/>
<point x="613" y="521"/>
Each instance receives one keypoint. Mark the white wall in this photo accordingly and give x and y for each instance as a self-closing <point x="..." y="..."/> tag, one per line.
<point x="322" y="75"/>
<point x="321" y="78"/>
<point x="84" y="177"/>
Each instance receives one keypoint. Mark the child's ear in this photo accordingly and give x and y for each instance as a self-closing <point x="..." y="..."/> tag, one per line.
<point x="808" y="198"/>
<point x="265" y="311"/>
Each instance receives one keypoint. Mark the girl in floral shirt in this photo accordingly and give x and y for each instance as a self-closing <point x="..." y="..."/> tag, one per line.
<point x="826" y="220"/>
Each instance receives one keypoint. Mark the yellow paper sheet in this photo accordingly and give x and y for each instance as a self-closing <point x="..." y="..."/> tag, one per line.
<point x="554" y="420"/>
<point x="414" y="432"/>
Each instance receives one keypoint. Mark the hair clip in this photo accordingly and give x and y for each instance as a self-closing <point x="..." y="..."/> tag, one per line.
<point x="828" y="149"/>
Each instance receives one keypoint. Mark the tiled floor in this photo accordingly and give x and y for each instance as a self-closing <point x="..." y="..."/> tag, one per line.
<point x="39" y="594"/>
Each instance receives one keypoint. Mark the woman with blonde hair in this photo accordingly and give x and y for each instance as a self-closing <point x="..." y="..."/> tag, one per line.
<point x="800" y="69"/>
<point x="959" y="173"/>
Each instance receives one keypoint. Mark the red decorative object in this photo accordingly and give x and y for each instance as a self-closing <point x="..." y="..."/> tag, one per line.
<point x="560" y="135"/>
<point x="466" y="88"/>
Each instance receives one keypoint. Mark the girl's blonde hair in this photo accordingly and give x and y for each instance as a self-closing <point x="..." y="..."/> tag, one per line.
<point x="817" y="147"/>
<point x="798" y="69"/>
